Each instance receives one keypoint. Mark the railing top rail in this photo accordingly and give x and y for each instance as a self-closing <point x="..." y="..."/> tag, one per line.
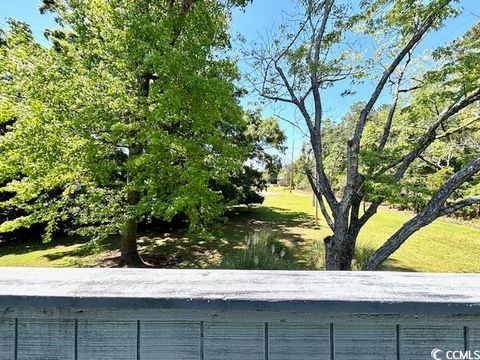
<point x="316" y="291"/>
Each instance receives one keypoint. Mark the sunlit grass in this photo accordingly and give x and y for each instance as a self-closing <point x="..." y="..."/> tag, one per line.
<point x="443" y="246"/>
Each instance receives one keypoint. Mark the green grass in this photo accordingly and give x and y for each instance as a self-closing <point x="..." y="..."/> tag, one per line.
<point x="58" y="253"/>
<point x="443" y="246"/>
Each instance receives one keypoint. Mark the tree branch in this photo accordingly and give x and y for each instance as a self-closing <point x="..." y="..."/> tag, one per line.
<point x="447" y="210"/>
<point x="429" y="135"/>
<point x="354" y="143"/>
<point x="429" y="213"/>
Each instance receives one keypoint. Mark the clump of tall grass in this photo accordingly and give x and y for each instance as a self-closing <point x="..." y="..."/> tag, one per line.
<point x="362" y="253"/>
<point x="262" y="250"/>
<point x="315" y="256"/>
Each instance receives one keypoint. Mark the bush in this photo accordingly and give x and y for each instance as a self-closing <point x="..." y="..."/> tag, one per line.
<point x="315" y="256"/>
<point x="262" y="250"/>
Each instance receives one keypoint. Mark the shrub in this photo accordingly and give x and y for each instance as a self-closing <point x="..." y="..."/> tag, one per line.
<point x="315" y="255"/>
<point x="262" y="250"/>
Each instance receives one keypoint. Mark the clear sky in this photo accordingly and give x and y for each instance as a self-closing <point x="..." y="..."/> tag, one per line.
<point x="259" y="17"/>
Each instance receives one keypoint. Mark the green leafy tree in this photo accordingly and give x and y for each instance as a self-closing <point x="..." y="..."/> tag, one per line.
<point x="263" y="140"/>
<point x="129" y="115"/>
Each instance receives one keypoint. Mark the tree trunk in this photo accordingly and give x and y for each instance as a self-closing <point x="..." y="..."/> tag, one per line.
<point x="348" y="254"/>
<point x="332" y="257"/>
<point x="340" y="247"/>
<point x="128" y="246"/>
<point x="340" y="251"/>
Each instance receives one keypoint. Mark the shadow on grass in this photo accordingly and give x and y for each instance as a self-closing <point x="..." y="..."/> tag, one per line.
<point x="78" y="254"/>
<point x="242" y="222"/>
<point x="19" y="248"/>
<point x="395" y="265"/>
<point x="178" y="249"/>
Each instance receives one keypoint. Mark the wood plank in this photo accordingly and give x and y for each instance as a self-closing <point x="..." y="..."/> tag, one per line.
<point x="364" y="341"/>
<point x="159" y="314"/>
<point x="7" y="339"/>
<point x="169" y="340"/>
<point x="46" y="339"/>
<point x="233" y="341"/>
<point x="418" y="341"/>
<point x="473" y="338"/>
<point x="287" y="341"/>
<point x="107" y="340"/>
<point x="226" y="290"/>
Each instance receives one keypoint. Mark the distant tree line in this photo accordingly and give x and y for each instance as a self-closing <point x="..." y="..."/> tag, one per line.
<point x="450" y="152"/>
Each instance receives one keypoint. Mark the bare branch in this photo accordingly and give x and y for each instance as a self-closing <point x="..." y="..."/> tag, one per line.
<point x="425" y="160"/>
<point x="429" y="135"/>
<point x="393" y="107"/>
<point x="354" y="144"/>
<point x="429" y="213"/>
<point x="458" y="129"/>
<point x="277" y="98"/>
<point x="451" y="208"/>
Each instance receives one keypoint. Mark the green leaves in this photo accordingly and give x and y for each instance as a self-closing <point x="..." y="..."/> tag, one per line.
<point x="131" y="97"/>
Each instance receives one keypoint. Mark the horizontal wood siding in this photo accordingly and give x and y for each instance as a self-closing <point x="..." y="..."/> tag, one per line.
<point x="7" y="339"/>
<point x="418" y="341"/>
<point x="46" y="339"/>
<point x="55" y="339"/>
<point x="373" y="341"/>
<point x="107" y="340"/>
<point x="234" y="341"/>
<point x="170" y="340"/>
<point x="301" y="341"/>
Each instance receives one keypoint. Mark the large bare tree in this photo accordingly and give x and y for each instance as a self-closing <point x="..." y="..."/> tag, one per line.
<point x="328" y="44"/>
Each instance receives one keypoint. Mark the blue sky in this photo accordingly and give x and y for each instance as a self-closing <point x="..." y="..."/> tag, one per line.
<point x="260" y="16"/>
<point x="263" y="15"/>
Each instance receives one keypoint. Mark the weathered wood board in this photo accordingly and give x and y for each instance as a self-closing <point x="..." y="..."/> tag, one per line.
<point x="103" y="314"/>
<point x="170" y="340"/>
<point x="46" y="339"/>
<point x="7" y="339"/>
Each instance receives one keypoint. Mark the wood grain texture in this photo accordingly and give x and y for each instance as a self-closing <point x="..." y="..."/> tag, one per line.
<point x="107" y="340"/>
<point x="46" y="339"/>
<point x="7" y="339"/>
<point x="155" y="314"/>
<point x="418" y="341"/>
<point x="364" y="341"/>
<point x="371" y="292"/>
<point x="473" y="337"/>
<point x="169" y="340"/>
<point x="234" y="341"/>
<point x="287" y="341"/>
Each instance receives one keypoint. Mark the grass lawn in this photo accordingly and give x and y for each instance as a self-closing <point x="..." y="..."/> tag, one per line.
<point x="443" y="246"/>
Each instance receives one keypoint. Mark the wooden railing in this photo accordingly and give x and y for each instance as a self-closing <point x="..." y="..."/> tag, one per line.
<point x="246" y="315"/>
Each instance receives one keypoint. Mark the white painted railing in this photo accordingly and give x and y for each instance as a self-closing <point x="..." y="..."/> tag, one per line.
<point x="246" y="315"/>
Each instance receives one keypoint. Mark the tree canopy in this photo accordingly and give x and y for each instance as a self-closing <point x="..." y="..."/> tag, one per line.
<point x="131" y="114"/>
